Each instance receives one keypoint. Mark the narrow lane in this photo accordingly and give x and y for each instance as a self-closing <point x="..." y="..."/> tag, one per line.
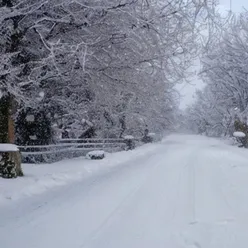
<point x="184" y="195"/>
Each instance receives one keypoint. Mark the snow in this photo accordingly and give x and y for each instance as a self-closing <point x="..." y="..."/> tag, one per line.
<point x="8" y="148"/>
<point x="151" y="134"/>
<point x="33" y="137"/>
<point x="185" y="192"/>
<point x="41" y="178"/>
<point x="41" y="96"/>
<point x="97" y="153"/>
<point x="128" y="137"/>
<point x="30" y="118"/>
<point x="239" y="134"/>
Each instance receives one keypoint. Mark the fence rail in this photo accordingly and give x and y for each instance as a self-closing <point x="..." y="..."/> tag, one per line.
<point x="69" y="148"/>
<point x="92" y="140"/>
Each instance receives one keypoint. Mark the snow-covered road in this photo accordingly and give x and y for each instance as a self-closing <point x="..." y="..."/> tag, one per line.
<point x="191" y="193"/>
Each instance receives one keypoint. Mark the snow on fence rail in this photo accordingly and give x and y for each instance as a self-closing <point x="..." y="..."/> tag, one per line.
<point x="69" y="148"/>
<point x="92" y="140"/>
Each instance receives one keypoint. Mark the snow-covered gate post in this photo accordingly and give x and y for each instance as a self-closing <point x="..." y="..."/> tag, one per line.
<point x="8" y="108"/>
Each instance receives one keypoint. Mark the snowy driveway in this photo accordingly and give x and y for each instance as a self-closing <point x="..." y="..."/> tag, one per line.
<point x="192" y="192"/>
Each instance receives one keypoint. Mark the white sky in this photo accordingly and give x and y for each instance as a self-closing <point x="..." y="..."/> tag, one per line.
<point x="188" y="90"/>
<point x="237" y="5"/>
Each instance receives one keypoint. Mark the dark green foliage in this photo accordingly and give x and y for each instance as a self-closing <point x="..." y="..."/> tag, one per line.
<point x="4" y="113"/>
<point x="147" y="138"/>
<point x="97" y="157"/>
<point x="34" y="131"/>
<point x="20" y="173"/>
<point x="7" y="167"/>
<point x="130" y="144"/>
<point x="89" y="133"/>
<point x="242" y="127"/>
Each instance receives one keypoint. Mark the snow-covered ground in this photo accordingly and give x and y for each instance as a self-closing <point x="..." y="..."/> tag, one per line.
<point x="185" y="192"/>
<point x="43" y="177"/>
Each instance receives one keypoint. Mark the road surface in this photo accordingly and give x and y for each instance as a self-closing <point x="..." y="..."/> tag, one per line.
<point x="191" y="193"/>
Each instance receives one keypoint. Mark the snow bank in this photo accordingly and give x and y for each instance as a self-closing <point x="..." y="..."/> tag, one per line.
<point x="41" y="178"/>
<point x="239" y="134"/>
<point x="8" y="148"/>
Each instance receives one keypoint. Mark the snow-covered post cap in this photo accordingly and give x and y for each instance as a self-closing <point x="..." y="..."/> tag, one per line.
<point x="8" y="148"/>
<point x="239" y="134"/>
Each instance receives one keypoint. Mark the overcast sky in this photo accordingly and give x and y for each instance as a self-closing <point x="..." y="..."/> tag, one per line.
<point x="187" y="91"/>
<point x="236" y="5"/>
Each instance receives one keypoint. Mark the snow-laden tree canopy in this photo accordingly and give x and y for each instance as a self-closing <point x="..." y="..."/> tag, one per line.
<point x="113" y="63"/>
<point x="225" y="97"/>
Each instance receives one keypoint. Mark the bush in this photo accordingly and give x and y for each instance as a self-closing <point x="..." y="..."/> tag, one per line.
<point x="95" y="155"/>
<point x="241" y="131"/>
<point x="7" y="167"/>
<point x="130" y="142"/>
<point x="147" y="139"/>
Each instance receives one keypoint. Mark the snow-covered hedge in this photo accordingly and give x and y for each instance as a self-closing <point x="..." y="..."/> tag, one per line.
<point x="241" y="138"/>
<point x="7" y="168"/>
<point x="10" y="161"/>
<point x="239" y="134"/>
<point x="95" y="155"/>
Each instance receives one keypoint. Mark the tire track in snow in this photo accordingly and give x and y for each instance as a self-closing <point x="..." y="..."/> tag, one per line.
<point x="228" y="193"/>
<point x="117" y="211"/>
<point x="174" y="174"/>
<point x="209" y="184"/>
<point x="186" y="188"/>
<point x="221" y="185"/>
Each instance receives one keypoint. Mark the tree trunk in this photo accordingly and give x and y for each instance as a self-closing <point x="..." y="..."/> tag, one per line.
<point x="7" y="125"/>
<point x="122" y="121"/>
<point x="4" y="115"/>
<point x="11" y="123"/>
<point x="11" y="130"/>
<point x="7" y="129"/>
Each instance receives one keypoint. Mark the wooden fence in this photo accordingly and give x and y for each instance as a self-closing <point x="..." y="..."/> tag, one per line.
<point x="69" y="148"/>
